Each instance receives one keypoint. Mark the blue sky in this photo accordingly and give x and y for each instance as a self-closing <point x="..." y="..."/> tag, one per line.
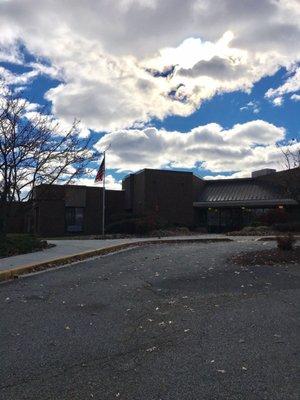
<point x="214" y="98"/>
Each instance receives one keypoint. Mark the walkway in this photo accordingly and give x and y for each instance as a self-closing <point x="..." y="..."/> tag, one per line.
<point x="71" y="247"/>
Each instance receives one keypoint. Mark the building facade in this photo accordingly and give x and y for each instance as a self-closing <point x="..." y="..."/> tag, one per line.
<point x="173" y="197"/>
<point x="59" y="210"/>
<point x="166" y="194"/>
<point x="182" y="198"/>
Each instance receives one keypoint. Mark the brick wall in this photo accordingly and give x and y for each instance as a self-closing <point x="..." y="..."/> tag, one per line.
<point x="166" y="194"/>
<point x="170" y="194"/>
<point x="139" y="194"/>
<point x="51" y="202"/>
<point x="49" y="205"/>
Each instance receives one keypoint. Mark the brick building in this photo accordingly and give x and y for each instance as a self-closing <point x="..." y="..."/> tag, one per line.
<point x="67" y="209"/>
<point x="175" y="197"/>
<point x="167" y="194"/>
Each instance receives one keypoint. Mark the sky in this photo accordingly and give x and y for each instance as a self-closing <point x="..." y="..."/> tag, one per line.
<point x="206" y="86"/>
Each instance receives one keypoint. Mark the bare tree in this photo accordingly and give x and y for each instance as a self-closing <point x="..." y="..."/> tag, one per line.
<point x="290" y="178"/>
<point x="34" y="149"/>
<point x="291" y="155"/>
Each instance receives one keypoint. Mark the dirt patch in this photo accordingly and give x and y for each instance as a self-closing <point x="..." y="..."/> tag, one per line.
<point x="267" y="257"/>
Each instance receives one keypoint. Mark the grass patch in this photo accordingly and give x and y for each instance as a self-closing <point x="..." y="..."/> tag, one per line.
<point x="12" y="245"/>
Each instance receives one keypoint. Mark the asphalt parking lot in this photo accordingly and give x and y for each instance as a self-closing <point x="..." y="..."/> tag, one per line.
<point x="160" y="322"/>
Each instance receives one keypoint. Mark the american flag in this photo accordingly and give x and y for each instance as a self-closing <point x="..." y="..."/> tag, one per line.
<point x="101" y="171"/>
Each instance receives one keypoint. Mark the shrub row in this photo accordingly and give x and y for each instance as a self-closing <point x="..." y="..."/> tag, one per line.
<point x="287" y="227"/>
<point x="11" y="245"/>
<point x="143" y="226"/>
<point x="132" y="226"/>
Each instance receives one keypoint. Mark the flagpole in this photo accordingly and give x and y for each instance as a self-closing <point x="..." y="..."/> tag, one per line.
<point x="103" y="200"/>
<point x="101" y="175"/>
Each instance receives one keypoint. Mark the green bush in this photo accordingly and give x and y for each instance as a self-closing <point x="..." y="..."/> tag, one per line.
<point x="11" y="245"/>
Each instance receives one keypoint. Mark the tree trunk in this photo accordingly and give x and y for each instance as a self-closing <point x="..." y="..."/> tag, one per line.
<point x="3" y="219"/>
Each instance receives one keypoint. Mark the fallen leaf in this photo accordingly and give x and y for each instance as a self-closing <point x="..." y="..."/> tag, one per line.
<point x="151" y="349"/>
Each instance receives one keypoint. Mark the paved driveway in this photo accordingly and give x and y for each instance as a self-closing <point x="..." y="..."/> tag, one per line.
<point x="70" y="247"/>
<point x="169" y="322"/>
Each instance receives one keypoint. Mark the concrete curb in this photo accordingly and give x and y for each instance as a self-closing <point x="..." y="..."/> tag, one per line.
<point x="273" y="238"/>
<point x="14" y="273"/>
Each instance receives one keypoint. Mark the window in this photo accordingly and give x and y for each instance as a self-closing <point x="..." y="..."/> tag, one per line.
<point x="74" y="219"/>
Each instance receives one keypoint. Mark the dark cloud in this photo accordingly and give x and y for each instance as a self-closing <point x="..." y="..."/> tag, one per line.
<point x="218" y="68"/>
<point x="165" y="73"/>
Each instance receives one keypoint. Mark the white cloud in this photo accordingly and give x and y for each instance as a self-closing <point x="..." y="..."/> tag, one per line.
<point x="60" y="127"/>
<point x="295" y="97"/>
<point x="9" y="78"/>
<point x="103" y="51"/>
<point x="240" y="174"/>
<point x="291" y="85"/>
<point x="21" y="80"/>
<point x="244" y="147"/>
<point x="10" y="54"/>
<point x="51" y="71"/>
<point x="110" y="183"/>
<point x="278" y="101"/>
<point x="253" y="106"/>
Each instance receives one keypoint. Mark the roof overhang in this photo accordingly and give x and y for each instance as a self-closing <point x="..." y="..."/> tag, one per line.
<point x="245" y="203"/>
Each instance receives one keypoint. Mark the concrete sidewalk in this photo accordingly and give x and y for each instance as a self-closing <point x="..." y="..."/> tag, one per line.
<point x="69" y="250"/>
<point x="71" y="247"/>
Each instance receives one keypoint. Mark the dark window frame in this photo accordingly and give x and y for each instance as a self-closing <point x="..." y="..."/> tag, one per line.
<point x="74" y="223"/>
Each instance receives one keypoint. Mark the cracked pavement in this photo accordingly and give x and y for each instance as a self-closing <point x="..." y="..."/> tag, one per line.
<point x="161" y="322"/>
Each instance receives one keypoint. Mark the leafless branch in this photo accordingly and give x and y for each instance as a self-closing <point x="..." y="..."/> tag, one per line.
<point x="35" y="150"/>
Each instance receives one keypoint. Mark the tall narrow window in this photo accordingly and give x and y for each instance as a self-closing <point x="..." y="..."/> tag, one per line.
<point x="74" y="219"/>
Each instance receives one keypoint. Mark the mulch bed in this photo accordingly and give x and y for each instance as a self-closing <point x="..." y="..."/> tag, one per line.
<point x="267" y="257"/>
